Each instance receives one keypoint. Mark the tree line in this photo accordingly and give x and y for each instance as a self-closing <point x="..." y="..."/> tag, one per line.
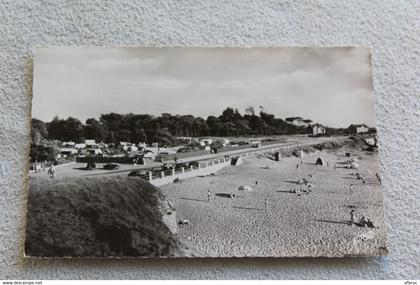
<point x="163" y="129"/>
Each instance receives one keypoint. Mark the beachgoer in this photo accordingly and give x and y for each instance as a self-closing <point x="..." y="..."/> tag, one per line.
<point x="51" y="171"/>
<point x="256" y="183"/>
<point x="363" y="222"/>
<point x="310" y="186"/>
<point x="297" y="166"/>
<point x="379" y="178"/>
<point x="351" y="188"/>
<point x="352" y="217"/>
<point x="208" y="195"/>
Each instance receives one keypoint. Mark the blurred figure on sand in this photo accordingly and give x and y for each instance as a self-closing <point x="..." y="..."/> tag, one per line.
<point x="352" y="217"/>
<point x="51" y="171"/>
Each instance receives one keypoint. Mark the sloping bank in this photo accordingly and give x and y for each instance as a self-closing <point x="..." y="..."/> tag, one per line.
<point x="100" y="216"/>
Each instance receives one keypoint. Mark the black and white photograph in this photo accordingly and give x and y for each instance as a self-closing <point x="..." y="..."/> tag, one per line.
<point x="204" y="152"/>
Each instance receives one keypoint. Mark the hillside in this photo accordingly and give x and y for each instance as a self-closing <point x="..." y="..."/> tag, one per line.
<point x="98" y="216"/>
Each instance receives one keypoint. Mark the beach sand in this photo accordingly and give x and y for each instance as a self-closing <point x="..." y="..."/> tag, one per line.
<point x="270" y="220"/>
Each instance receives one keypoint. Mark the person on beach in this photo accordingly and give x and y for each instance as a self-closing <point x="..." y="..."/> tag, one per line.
<point x="370" y="224"/>
<point x="351" y="188"/>
<point x="310" y="186"/>
<point x="378" y="177"/>
<point x="256" y="183"/>
<point x="208" y="195"/>
<point x="51" y="171"/>
<point x="363" y="222"/>
<point x="352" y="217"/>
<point x="297" y="166"/>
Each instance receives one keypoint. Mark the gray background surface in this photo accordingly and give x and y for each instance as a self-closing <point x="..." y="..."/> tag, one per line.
<point x="390" y="28"/>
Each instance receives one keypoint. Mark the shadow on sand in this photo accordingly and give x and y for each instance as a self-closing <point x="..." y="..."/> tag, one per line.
<point x="291" y="181"/>
<point x="266" y="168"/>
<point x="289" y="191"/>
<point x="225" y="195"/>
<point x="333" y="222"/>
<point x="246" y="208"/>
<point x="192" y="199"/>
<point x="348" y="178"/>
<point x="84" y="168"/>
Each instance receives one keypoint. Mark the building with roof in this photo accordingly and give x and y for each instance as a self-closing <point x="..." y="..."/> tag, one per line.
<point x="298" y="121"/>
<point x="317" y="129"/>
<point x="358" y="129"/>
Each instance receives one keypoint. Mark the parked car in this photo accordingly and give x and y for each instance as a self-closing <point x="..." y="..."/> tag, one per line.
<point x="256" y="144"/>
<point x="90" y="165"/>
<point x="179" y="166"/>
<point x="195" y="164"/>
<point x="111" y="166"/>
<point x="138" y="173"/>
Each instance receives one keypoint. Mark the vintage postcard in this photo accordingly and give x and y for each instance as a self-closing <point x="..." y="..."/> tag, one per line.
<point x="204" y="152"/>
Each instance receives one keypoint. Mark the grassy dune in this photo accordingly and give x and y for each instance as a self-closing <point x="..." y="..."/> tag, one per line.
<point x="97" y="216"/>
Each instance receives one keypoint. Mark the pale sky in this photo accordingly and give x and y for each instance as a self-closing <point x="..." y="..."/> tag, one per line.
<point x="332" y="86"/>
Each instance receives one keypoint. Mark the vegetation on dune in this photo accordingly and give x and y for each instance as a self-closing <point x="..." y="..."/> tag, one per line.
<point x="351" y="142"/>
<point x="97" y="216"/>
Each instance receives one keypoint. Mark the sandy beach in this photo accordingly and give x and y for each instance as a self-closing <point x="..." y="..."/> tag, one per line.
<point x="271" y="220"/>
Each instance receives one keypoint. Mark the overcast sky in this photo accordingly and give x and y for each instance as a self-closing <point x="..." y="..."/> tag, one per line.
<point x="332" y="86"/>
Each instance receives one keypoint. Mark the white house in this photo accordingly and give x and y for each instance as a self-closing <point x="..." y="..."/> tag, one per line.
<point x="130" y="148"/>
<point x="90" y="142"/>
<point x="95" y="151"/>
<point x="317" y="129"/>
<point x="298" y="121"/>
<point x="360" y="129"/>
<point x="80" y="146"/>
<point x="66" y="151"/>
<point x="69" y="144"/>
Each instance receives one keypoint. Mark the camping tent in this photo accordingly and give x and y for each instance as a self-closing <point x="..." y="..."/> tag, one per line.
<point x="245" y="188"/>
<point x="319" y="161"/>
<point x="236" y="160"/>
